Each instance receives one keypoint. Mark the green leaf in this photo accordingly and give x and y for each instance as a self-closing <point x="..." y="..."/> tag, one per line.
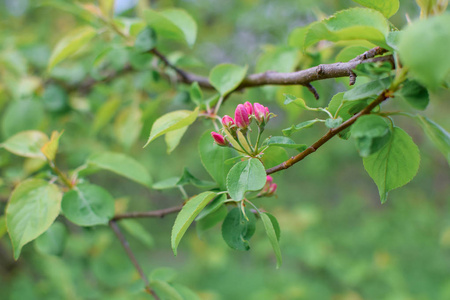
<point x="53" y="241"/>
<point x="387" y="7"/>
<point x="165" y="291"/>
<point x="274" y="156"/>
<point x="188" y="178"/>
<point x="375" y="70"/>
<point x="350" y="52"/>
<point x="438" y="135"/>
<point x="395" y="164"/>
<point x="51" y="147"/>
<point x="172" y="121"/>
<point x="371" y="133"/>
<point x="214" y="158"/>
<point x="212" y="207"/>
<point x="33" y="206"/>
<point x="285" y="142"/>
<point x="187" y="214"/>
<point x="279" y="59"/>
<point x="211" y="220"/>
<point x="237" y="229"/>
<point x="423" y="48"/>
<point x="3" y="228"/>
<point x="333" y="123"/>
<point x="415" y="94"/>
<point x="27" y="143"/>
<point x="368" y="90"/>
<point x="226" y="77"/>
<point x="70" y="44"/>
<point x="138" y="232"/>
<point x="269" y="226"/>
<point x="88" y="205"/>
<point x="173" y="138"/>
<point x="164" y="274"/>
<point x="172" y="24"/>
<point x="128" y="126"/>
<point x="105" y="113"/>
<point x="244" y="176"/>
<point x="122" y="165"/>
<point x="297" y="37"/>
<point x="301" y="126"/>
<point x="351" y="24"/>
<point x="21" y="115"/>
<point x="165" y="184"/>
<point x="288" y="99"/>
<point x="185" y="292"/>
<point x="146" y="40"/>
<point x="196" y="94"/>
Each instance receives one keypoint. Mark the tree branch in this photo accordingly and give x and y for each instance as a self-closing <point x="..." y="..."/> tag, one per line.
<point x="331" y="133"/>
<point x="148" y="214"/>
<point x="133" y="259"/>
<point x="302" y="77"/>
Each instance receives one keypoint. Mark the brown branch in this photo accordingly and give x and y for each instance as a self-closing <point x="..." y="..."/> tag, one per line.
<point x="331" y="133"/>
<point x="148" y="214"/>
<point x="133" y="259"/>
<point x="302" y="77"/>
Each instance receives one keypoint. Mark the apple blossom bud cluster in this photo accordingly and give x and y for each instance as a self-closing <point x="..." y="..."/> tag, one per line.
<point x="235" y="132"/>
<point x="269" y="188"/>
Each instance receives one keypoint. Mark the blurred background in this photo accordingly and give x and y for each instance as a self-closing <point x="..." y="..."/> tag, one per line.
<point x="338" y="242"/>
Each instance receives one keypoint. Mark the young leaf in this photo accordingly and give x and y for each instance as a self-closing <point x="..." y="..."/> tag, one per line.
<point x="165" y="184"/>
<point x="3" y="229"/>
<point x="190" y="210"/>
<point x="387" y="7"/>
<point x="211" y="219"/>
<point x="196" y="94"/>
<point x="351" y="24"/>
<point x="274" y="156"/>
<point x="105" y="113"/>
<point x="367" y="90"/>
<point x="270" y="223"/>
<point x="128" y="126"/>
<point x="415" y="94"/>
<point x="27" y="143"/>
<point x="51" y="147"/>
<point x="244" y="176"/>
<point x="298" y="127"/>
<point x="172" y="24"/>
<point x="52" y="242"/>
<point x="371" y="133"/>
<point x="164" y="290"/>
<point x="423" y="48"/>
<point x="438" y="135"/>
<point x="285" y="142"/>
<point x="288" y="99"/>
<point x="146" y="40"/>
<point x="188" y="178"/>
<point x="88" y="205"/>
<point x="226" y="77"/>
<point x="237" y="229"/>
<point x="173" y="138"/>
<point x="395" y="164"/>
<point x="70" y="44"/>
<point x="122" y="165"/>
<point x="333" y="123"/>
<point x="214" y="159"/>
<point x="164" y="274"/>
<point x="33" y="206"/>
<point x="172" y="121"/>
<point x="138" y="232"/>
<point x="22" y="115"/>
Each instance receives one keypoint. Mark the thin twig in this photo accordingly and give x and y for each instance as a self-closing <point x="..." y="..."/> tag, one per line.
<point x="331" y="133"/>
<point x="133" y="259"/>
<point x="148" y="214"/>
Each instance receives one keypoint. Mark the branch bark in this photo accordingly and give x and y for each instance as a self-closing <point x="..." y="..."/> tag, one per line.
<point x="133" y="259"/>
<point x="148" y="214"/>
<point x="331" y="133"/>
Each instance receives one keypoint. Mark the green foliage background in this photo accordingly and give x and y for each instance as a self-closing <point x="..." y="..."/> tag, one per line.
<point x="338" y="241"/>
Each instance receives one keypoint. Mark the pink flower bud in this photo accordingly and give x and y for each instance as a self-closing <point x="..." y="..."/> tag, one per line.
<point x="249" y="107"/>
<point x="260" y="112"/>
<point x="272" y="189"/>
<point x="269" y="179"/>
<point x="219" y="139"/>
<point x="227" y="121"/>
<point x="241" y="117"/>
